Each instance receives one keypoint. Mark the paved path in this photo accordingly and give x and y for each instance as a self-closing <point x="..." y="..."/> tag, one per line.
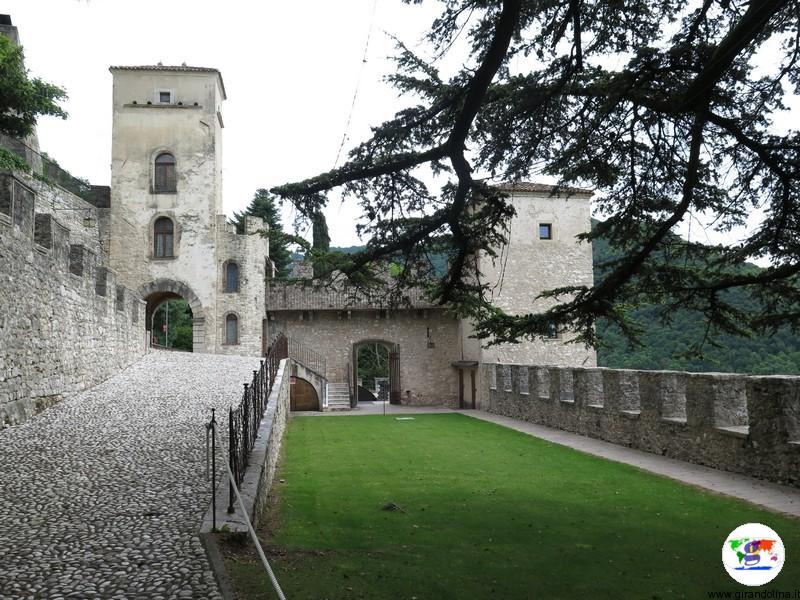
<point x="102" y="495"/>
<point x="769" y="495"/>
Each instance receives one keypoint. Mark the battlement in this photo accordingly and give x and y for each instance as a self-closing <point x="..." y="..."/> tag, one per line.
<point x="739" y="423"/>
<point x="67" y="322"/>
<point x="286" y="296"/>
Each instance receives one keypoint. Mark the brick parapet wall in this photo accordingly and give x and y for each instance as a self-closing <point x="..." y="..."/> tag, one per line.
<point x="65" y="322"/>
<point x="743" y="424"/>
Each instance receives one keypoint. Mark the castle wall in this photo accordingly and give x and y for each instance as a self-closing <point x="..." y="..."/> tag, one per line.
<point x="748" y="425"/>
<point x="529" y="265"/>
<point x="65" y="321"/>
<point x="426" y="374"/>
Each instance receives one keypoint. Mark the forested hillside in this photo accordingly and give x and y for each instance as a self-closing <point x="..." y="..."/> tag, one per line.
<point x="665" y="346"/>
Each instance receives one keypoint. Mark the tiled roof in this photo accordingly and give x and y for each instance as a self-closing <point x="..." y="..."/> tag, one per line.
<point x="173" y="68"/>
<point x="541" y="188"/>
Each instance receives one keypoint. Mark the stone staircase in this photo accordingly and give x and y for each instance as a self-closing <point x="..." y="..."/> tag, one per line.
<point x="338" y="396"/>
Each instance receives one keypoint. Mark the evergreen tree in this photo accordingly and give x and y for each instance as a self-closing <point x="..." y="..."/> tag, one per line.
<point x="263" y="205"/>
<point x="658" y="105"/>
<point x="321" y="243"/>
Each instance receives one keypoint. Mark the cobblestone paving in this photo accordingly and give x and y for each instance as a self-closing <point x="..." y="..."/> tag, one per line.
<point x="102" y="495"/>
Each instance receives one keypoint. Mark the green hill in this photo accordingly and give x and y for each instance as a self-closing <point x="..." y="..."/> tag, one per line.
<point x="664" y="346"/>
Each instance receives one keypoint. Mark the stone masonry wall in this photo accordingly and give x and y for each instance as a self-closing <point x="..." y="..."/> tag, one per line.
<point x="748" y="425"/>
<point x="426" y="374"/>
<point x="65" y="322"/>
<point x="249" y="251"/>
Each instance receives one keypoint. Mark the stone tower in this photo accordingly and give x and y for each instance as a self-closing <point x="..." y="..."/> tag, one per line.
<point x="167" y="235"/>
<point x="542" y="253"/>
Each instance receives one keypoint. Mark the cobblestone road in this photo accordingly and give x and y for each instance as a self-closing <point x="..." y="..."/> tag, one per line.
<point x="102" y="495"/>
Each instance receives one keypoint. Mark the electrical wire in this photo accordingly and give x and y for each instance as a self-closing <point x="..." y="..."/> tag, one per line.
<point x="358" y="83"/>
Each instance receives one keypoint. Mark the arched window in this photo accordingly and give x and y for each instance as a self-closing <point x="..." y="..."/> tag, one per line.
<point x="164" y="180"/>
<point x="231" y="277"/>
<point x="231" y="329"/>
<point x="163" y="238"/>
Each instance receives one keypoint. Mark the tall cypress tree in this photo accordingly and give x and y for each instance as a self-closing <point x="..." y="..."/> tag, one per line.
<point x="321" y="242"/>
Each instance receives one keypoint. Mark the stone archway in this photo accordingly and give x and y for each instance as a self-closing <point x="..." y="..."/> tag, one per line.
<point x="156" y="292"/>
<point x="392" y="367"/>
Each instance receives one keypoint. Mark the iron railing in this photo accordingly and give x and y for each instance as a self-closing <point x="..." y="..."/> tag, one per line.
<point x="244" y="420"/>
<point x="305" y="355"/>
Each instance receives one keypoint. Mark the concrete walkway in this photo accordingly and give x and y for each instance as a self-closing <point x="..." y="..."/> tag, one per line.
<point x="102" y="495"/>
<point x="775" y="497"/>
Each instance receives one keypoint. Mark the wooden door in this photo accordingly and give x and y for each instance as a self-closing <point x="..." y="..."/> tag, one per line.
<point x="394" y="375"/>
<point x="303" y="396"/>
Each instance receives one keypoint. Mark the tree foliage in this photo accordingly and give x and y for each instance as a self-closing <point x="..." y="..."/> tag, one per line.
<point x="321" y="243"/>
<point x="22" y="99"/>
<point x="373" y="361"/>
<point x="264" y="205"/>
<point x="179" y="328"/>
<point x="672" y="343"/>
<point x="655" y="104"/>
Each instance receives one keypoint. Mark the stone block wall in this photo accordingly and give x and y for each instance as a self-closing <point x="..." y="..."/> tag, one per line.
<point x="428" y="342"/>
<point x="65" y="322"/>
<point x="250" y="252"/>
<point x="747" y="425"/>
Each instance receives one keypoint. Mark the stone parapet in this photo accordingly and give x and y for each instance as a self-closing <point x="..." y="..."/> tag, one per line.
<point x="738" y="423"/>
<point x="58" y="333"/>
<point x="282" y="296"/>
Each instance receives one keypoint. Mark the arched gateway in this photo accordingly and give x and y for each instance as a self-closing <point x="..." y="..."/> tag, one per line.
<point x="160" y="290"/>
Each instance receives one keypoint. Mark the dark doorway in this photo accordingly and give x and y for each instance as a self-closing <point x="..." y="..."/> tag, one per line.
<point x="467" y="391"/>
<point x="302" y="395"/>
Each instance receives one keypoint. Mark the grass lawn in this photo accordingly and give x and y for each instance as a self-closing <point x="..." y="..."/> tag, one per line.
<point x="487" y="513"/>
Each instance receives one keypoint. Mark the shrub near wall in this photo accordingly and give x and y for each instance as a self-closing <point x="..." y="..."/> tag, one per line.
<point x="748" y="425"/>
<point x="65" y="323"/>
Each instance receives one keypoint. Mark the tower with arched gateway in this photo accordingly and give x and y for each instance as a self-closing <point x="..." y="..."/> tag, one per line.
<point x="167" y="235"/>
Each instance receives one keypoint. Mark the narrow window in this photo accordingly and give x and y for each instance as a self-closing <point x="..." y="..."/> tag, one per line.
<point x="552" y="331"/>
<point x="164" y="97"/>
<point x="231" y="330"/>
<point x="545" y="231"/>
<point x="231" y="277"/>
<point x="165" y="180"/>
<point x="163" y="237"/>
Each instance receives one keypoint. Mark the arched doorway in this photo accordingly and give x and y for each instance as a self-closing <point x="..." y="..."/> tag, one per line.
<point x="302" y="395"/>
<point x="175" y="317"/>
<point x="376" y="365"/>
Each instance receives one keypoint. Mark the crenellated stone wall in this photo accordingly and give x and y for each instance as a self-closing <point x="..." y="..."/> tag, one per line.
<point x="66" y="323"/>
<point x="743" y="424"/>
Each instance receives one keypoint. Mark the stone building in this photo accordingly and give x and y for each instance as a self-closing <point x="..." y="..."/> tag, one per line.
<point x="161" y="233"/>
<point x="168" y="236"/>
<point x="433" y="357"/>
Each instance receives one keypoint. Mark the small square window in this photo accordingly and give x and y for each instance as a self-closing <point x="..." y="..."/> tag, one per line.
<point x="164" y="97"/>
<point x="545" y="231"/>
<point x="553" y="332"/>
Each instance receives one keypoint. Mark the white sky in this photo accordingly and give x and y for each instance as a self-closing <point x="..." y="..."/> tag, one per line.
<point x="290" y="70"/>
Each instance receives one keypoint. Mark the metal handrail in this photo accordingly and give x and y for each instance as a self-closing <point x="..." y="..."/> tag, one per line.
<point x="244" y="420"/>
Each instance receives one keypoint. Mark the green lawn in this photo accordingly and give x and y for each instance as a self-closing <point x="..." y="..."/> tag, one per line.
<point x="488" y="513"/>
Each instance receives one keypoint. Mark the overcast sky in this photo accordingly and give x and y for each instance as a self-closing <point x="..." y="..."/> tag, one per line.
<point x="290" y="69"/>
